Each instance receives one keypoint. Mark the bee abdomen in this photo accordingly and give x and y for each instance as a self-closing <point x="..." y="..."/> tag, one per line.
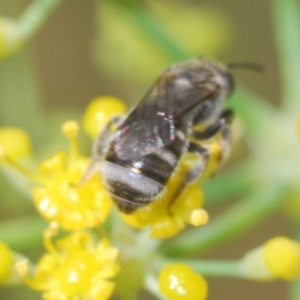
<point x="129" y="187"/>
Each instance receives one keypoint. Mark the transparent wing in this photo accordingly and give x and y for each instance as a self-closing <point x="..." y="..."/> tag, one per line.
<point x="148" y="127"/>
<point x="151" y="125"/>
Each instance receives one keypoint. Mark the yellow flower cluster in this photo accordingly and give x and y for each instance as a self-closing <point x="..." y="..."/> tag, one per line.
<point x="169" y="215"/>
<point x="78" y="264"/>
<point x="59" y="196"/>
<point x="62" y="198"/>
<point x="74" y="267"/>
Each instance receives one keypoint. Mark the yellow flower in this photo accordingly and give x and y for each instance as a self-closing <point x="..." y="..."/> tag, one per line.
<point x="6" y="262"/>
<point x="278" y="258"/>
<point x="170" y="214"/>
<point x="178" y="281"/>
<point x="99" y="112"/>
<point x="74" y="267"/>
<point x="15" y="141"/>
<point x="62" y="197"/>
<point x="298" y="127"/>
<point x="282" y="257"/>
<point x="59" y="194"/>
<point x="8" y="259"/>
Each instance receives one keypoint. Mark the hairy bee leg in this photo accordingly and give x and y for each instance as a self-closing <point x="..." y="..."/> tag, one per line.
<point x="225" y="119"/>
<point x="99" y="149"/>
<point x="210" y="149"/>
<point x="201" y="163"/>
<point x="195" y="171"/>
<point x="222" y="126"/>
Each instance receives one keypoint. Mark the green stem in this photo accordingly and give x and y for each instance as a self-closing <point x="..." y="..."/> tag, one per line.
<point x="147" y="22"/>
<point x="221" y="268"/>
<point x="254" y="112"/>
<point x="35" y="15"/>
<point x="286" y="16"/>
<point x="19" y="99"/>
<point x="238" y="219"/>
<point x="132" y="296"/>
<point x="228" y="184"/>
<point x="23" y="234"/>
<point x="19" y="95"/>
<point x="151" y="285"/>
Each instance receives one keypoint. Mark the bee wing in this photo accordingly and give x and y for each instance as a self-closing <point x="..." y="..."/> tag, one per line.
<point x="151" y="125"/>
<point x="148" y="127"/>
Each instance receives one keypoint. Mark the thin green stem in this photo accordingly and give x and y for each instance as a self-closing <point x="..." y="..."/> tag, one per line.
<point x="151" y="285"/>
<point x="254" y="112"/>
<point x="19" y="95"/>
<point x="18" y="83"/>
<point x="238" y="219"/>
<point x="35" y="15"/>
<point x="286" y="16"/>
<point x="23" y="234"/>
<point x="147" y="22"/>
<point x="222" y="268"/>
<point x="228" y="184"/>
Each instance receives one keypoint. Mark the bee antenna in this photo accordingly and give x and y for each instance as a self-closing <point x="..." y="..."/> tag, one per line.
<point x="247" y="65"/>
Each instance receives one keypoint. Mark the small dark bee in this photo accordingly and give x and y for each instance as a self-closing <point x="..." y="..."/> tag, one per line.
<point x="183" y="110"/>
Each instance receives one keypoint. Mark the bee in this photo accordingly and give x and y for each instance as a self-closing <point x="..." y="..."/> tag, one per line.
<point x="182" y="112"/>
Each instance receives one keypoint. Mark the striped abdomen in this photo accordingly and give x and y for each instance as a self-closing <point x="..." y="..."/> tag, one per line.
<point x="134" y="184"/>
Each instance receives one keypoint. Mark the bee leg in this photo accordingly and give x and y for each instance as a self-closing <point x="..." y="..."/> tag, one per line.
<point x="224" y="120"/>
<point x="99" y="149"/>
<point x="215" y="146"/>
<point x="196" y="170"/>
<point x="201" y="163"/>
<point x="217" y="149"/>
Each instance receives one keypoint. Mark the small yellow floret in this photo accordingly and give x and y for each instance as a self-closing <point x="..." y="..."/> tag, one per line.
<point x="63" y="200"/>
<point x="75" y="267"/>
<point x="54" y="163"/>
<point x="99" y="112"/>
<point x="282" y="257"/>
<point x="180" y="282"/>
<point x="2" y="153"/>
<point x="15" y="141"/>
<point x="199" y="217"/>
<point x="298" y="127"/>
<point x="6" y="262"/>
<point x="70" y="129"/>
<point x="62" y="197"/>
<point x="22" y="267"/>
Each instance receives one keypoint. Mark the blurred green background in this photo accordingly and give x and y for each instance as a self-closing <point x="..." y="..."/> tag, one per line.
<point x="91" y="48"/>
